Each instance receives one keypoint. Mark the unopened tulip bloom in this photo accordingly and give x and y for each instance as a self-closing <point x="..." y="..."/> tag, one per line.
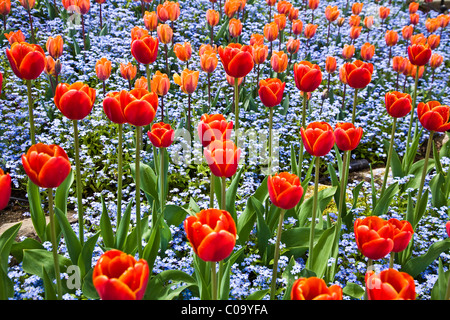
<point x="212" y="17"/>
<point x="271" y="91"/>
<point x="237" y="59"/>
<point x="297" y="27"/>
<point x="330" y="64"/>
<point x="355" y="32"/>
<point x="47" y="166"/>
<point x="150" y="20"/>
<point x="373" y="237"/>
<point x="331" y="13"/>
<point x="358" y="74"/>
<point x="418" y="39"/>
<point x="141" y="83"/>
<point x="413" y="7"/>
<point x="407" y="32"/>
<point x="114" y="105"/>
<point x="235" y="27"/>
<point x="314" y="288"/>
<point x="103" y="69"/>
<point x="293" y="14"/>
<point x="432" y="24"/>
<point x="161" y="135"/>
<point x="279" y="61"/>
<point x="187" y="80"/>
<point x="222" y="157"/>
<point x="27" y="61"/>
<point x="128" y="71"/>
<point x="27" y="4"/>
<point x="391" y="38"/>
<point x="5" y="8"/>
<point x="280" y="20"/>
<point x="310" y="30"/>
<point x="260" y="53"/>
<point x="414" y="18"/>
<point x="183" y="51"/>
<point x="55" y="46"/>
<point x="5" y="189"/>
<point x="348" y="51"/>
<point x="368" y="22"/>
<point x="271" y="31"/>
<point x="433" y="116"/>
<point x="284" y="6"/>
<point x="436" y="60"/>
<point x="403" y="232"/>
<point x="399" y="64"/>
<point x="384" y="12"/>
<point x="212" y="234"/>
<point x="292" y="46"/>
<point x="318" y="138"/>
<point x="256" y="39"/>
<point x="75" y="101"/>
<point x="307" y="76"/>
<point x="390" y="284"/>
<point x="398" y="104"/>
<point x="160" y="83"/>
<point x="118" y="276"/>
<point x="79" y="6"/>
<point x="145" y="49"/>
<point x="213" y="127"/>
<point x="354" y="21"/>
<point x="367" y="51"/>
<point x="347" y="136"/>
<point x="418" y="54"/>
<point x="357" y="7"/>
<point x="165" y="33"/>
<point x="433" y="41"/>
<point x="285" y="190"/>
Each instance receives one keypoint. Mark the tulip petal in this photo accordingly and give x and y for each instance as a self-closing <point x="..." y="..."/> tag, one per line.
<point x="216" y="246"/>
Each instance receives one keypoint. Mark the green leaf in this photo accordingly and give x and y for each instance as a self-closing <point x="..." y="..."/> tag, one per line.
<point x="104" y="30"/>
<point x="28" y="243"/>
<point x="175" y="215"/>
<point x="289" y="277"/>
<point x="6" y="242"/>
<point x="384" y="202"/>
<point x="258" y="295"/>
<point x="49" y="289"/>
<point x="231" y="194"/>
<point x="36" y="212"/>
<point x="421" y="208"/>
<point x="297" y="240"/>
<point x="396" y="164"/>
<point x="85" y="258"/>
<point x="416" y="173"/>
<point x="224" y="290"/>
<point x="72" y="242"/>
<point x="149" y="180"/>
<point x="160" y="286"/>
<point x="36" y="259"/>
<point x="222" y="30"/>
<point x="353" y="290"/>
<point x="123" y="228"/>
<point x="438" y="197"/>
<point x="106" y="227"/>
<point x="323" y="199"/>
<point x="6" y="286"/>
<point x="440" y="286"/>
<point x="88" y="288"/>
<point x="62" y="193"/>
<point x="322" y="251"/>
<point x="263" y="233"/>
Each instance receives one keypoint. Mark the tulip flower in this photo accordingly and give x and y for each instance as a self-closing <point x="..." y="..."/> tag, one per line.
<point x="103" y="70"/>
<point x="231" y="7"/>
<point x="160" y="85"/>
<point x="5" y="8"/>
<point x="213" y="127"/>
<point x="348" y="51"/>
<point x="418" y="39"/>
<point x="314" y="288"/>
<point x="128" y="72"/>
<point x="284" y="6"/>
<point x="280" y="20"/>
<point x="279" y="61"/>
<point x="433" y="41"/>
<point x="145" y="50"/>
<point x="47" y="166"/>
<point x="285" y="192"/>
<point x="5" y="189"/>
<point x="403" y="232"/>
<point x="212" y="235"/>
<point x="183" y="51"/>
<point x="81" y="7"/>
<point x="16" y="36"/>
<point x="118" y="276"/>
<point x="447" y="228"/>
<point x="237" y="61"/>
<point x="373" y="237"/>
<point x="435" y="62"/>
<point x="256" y="39"/>
<point x="390" y="284"/>
<point x="187" y="81"/>
<point x="222" y="157"/>
<point x="27" y="61"/>
<point x="55" y="46"/>
<point x="150" y="21"/>
<point x="234" y="27"/>
<point x="367" y="51"/>
<point x="292" y="47"/>
<point x="331" y="13"/>
<point x="309" y="32"/>
<point x="330" y="67"/>
<point x="355" y="32"/>
<point x="208" y="63"/>
<point x="213" y="18"/>
<point x="297" y="27"/>
<point x="259" y="53"/>
<point x="271" y="33"/>
<point x="383" y="13"/>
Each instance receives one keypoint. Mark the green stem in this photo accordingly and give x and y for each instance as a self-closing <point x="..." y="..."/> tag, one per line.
<point x="163" y="189"/>
<point x="411" y="119"/>
<point x="447" y="294"/>
<point x="78" y="182"/>
<point x="213" y="281"/>
<point x="223" y="205"/>
<point x="388" y="164"/>
<point x="342" y="193"/>
<point x="147" y="72"/>
<point x="355" y="100"/>
<point x="300" y="162"/>
<point x="276" y="256"/>
<point x="51" y="215"/>
<point x="211" y="191"/>
<point x="236" y="109"/>
<point x="391" y="259"/>
<point x="369" y="268"/>
<point x="119" y="173"/>
<point x="314" y="213"/>
<point x="270" y="138"/>
<point x="138" y="189"/>
<point x="30" y="113"/>
<point x="424" y="174"/>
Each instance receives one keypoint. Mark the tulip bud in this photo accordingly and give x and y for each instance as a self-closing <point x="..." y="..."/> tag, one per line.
<point x="17" y="36"/>
<point x="235" y="28"/>
<point x="5" y="7"/>
<point x="357" y="8"/>
<point x="128" y="71"/>
<point x="384" y="12"/>
<point x="433" y="116"/>
<point x="331" y="13"/>
<point x="213" y="127"/>
<point x="436" y="60"/>
<point x="330" y="64"/>
<point x="318" y="138"/>
<point x="188" y="80"/>
<point x="183" y="51"/>
<point x="271" y="91"/>
<point x="414" y="18"/>
<point x="310" y="30"/>
<point x="256" y="38"/>
<point x="293" y="45"/>
<point x="103" y="69"/>
<point x="373" y="236"/>
<point x="212" y="17"/>
<point x="5" y="189"/>
<point x="279" y="61"/>
<point x="280" y="20"/>
<point x="367" y="51"/>
<point x="150" y="20"/>
<point x="297" y="27"/>
<point x="165" y="33"/>
<point x="307" y="76"/>
<point x="314" y="288"/>
<point x="391" y="38"/>
<point x="368" y="22"/>
<point x="161" y="135"/>
<point x="285" y="190"/>
<point x="348" y="51"/>
<point x="271" y="31"/>
<point x="55" y="46"/>
<point x="398" y="104"/>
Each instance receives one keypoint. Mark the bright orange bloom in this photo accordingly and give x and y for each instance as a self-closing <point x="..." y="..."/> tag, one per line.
<point x="161" y="135"/>
<point x="213" y="127"/>
<point x="212" y="17"/>
<point x="271" y="3"/>
<point x="271" y="31"/>
<point x="27" y="61"/>
<point x="222" y="157"/>
<point x="367" y="51"/>
<point x="391" y="38"/>
<point x="285" y="190"/>
<point x="138" y="33"/>
<point x="399" y="64"/>
<point x="413" y="7"/>
<point x="50" y="66"/>
<point x="284" y="6"/>
<point x="47" y="166"/>
<point x="293" y="14"/>
<point x="231" y="7"/>
<point x="78" y="6"/>
<point x="398" y="104"/>
<point x="27" y="4"/>
<point x="260" y="53"/>
<point x="165" y="33"/>
<point x="331" y="13"/>
<point x="390" y="284"/>
<point x="118" y="276"/>
<point x="418" y="39"/>
<point x="128" y="71"/>
<point x="433" y="41"/>
<point x="355" y="32"/>
<point x="237" y="59"/>
<point x="384" y="12"/>
<point x="293" y="45"/>
<point x="436" y="60"/>
<point x="55" y="46"/>
<point x="307" y="76"/>
<point x="271" y="91"/>
<point x="212" y="234"/>
<point x="313" y="4"/>
<point x="160" y="83"/>
<point x="183" y="51"/>
<point x="330" y="64"/>
<point x="433" y="116"/>
<point x="280" y="20"/>
<point x="348" y="51"/>
<point x="358" y="74"/>
<point x="414" y="18"/>
<point x="141" y="83"/>
<point x="145" y="49"/>
<point x="340" y="22"/>
<point x="150" y="20"/>
<point x="103" y="69"/>
<point x="279" y="61"/>
<point x="407" y="32"/>
<point x="403" y="232"/>
<point x="256" y="38"/>
<point x="368" y="22"/>
<point x="169" y="10"/>
<point x="75" y="101"/>
<point x="208" y="60"/>
<point x="17" y="36"/>
<point x="297" y="27"/>
<point x="357" y="7"/>
<point x="187" y="81"/>
<point x="432" y="24"/>
<point x="418" y="54"/>
<point x="314" y="288"/>
<point x="310" y="30"/>
<point x="354" y="21"/>
<point x="5" y="7"/>
<point x="235" y="27"/>
<point x="444" y="20"/>
<point x="5" y="189"/>
<point x="373" y="237"/>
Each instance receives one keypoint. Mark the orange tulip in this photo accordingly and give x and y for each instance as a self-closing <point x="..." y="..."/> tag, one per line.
<point x="384" y="12"/>
<point x="285" y="190"/>
<point x="160" y="83"/>
<point x="348" y="51"/>
<point x="398" y="104"/>
<point x="169" y="10"/>
<point x="213" y="127"/>
<point x="222" y="157"/>
<point x="165" y="33"/>
<point x="310" y="30"/>
<point x="237" y="59"/>
<point x="331" y="13"/>
<point x="367" y="51"/>
<point x="78" y="6"/>
<point x="284" y="6"/>
<point x="318" y="138"/>
<point x="307" y="76"/>
<point x="433" y="116"/>
<point x="368" y="22"/>
<point x="433" y="41"/>
<point x="75" y="101"/>
<point x="297" y="27"/>
<point x="407" y="32"/>
<point x="271" y="31"/>
<point x="50" y="66"/>
<point x="128" y="71"/>
<point x="330" y="64"/>
<point x="280" y="20"/>
<point x="27" y="61"/>
<point x="230" y="80"/>
<point x="347" y="136"/>
<point x="391" y="38"/>
<point x="235" y="27"/>
<point x="5" y="7"/>
<point x="444" y="20"/>
<point x="231" y="7"/>
<point x="358" y="74"/>
<point x="271" y="91"/>
<point x="183" y="51"/>
<point x="145" y="49"/>
<point x="403" y="232"/>
<point x="293" y="45"/>
<point x="55" y="46"/>
<point x="357" y="7"/>
<point x="436" y="60"/>
<point x="432" y="24"/>
<point x="390" y="284"/>
<point x="150" y="20"/>
<point x="413" y="7"/>
<point x="5" y="189"/>
<point x="208" y="60"/>
<point x="188" y="80"/>
<point x="279" y="61"/>
<point x="354" y="21"/>
<point x="313" y="4"/>
<point x="256" y="38"/>
<point x="293" y="14"/>
<point x="138" y="33"/>
<point x="141" y="83"/>
<point x="17" y="36"/>
<point x="27" y="4"/>
<point x="103" y="69"/>
<point x="212" y="17"/>
<point x="161" y="135"/>
<point x="399" y="64"/>
<point x="373" y="237"/>
<point x="355" y="32"/>
<point x="314" y="288"/>
<point x="260" y="53"/>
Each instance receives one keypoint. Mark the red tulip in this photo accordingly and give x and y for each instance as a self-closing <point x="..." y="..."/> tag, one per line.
<point x="373" y="236"/>
<point x="27" y="60"/>
<point x="390" y="284"/>
<point x="212" y="234"/>
<point x="347" y="136"/>
<point x="314" y="288"/>
<point x="358" y="74"/>
<point x="318" y="138"/>
<point x="398" y="104"/>
<point x="307" y="76"/>
<point x="47" y="166"/>
<point x="118" y="276"/>
<point x="213" y="127"/>
<point x="161" y="135"/>
<point x="237" y="59"/>
<point x="419" y="54"/>
<point x="145" y="49"/>
<point x="447" y="228"/>
<point x="403" y="232"/>
<point x="75" y="101"/>
<point x="285" y="190"/>
<point x="433" y="116"/>
<point x="5" y="189"/>
<point x="222" y="157"/>
<point x="271" y="92"/>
